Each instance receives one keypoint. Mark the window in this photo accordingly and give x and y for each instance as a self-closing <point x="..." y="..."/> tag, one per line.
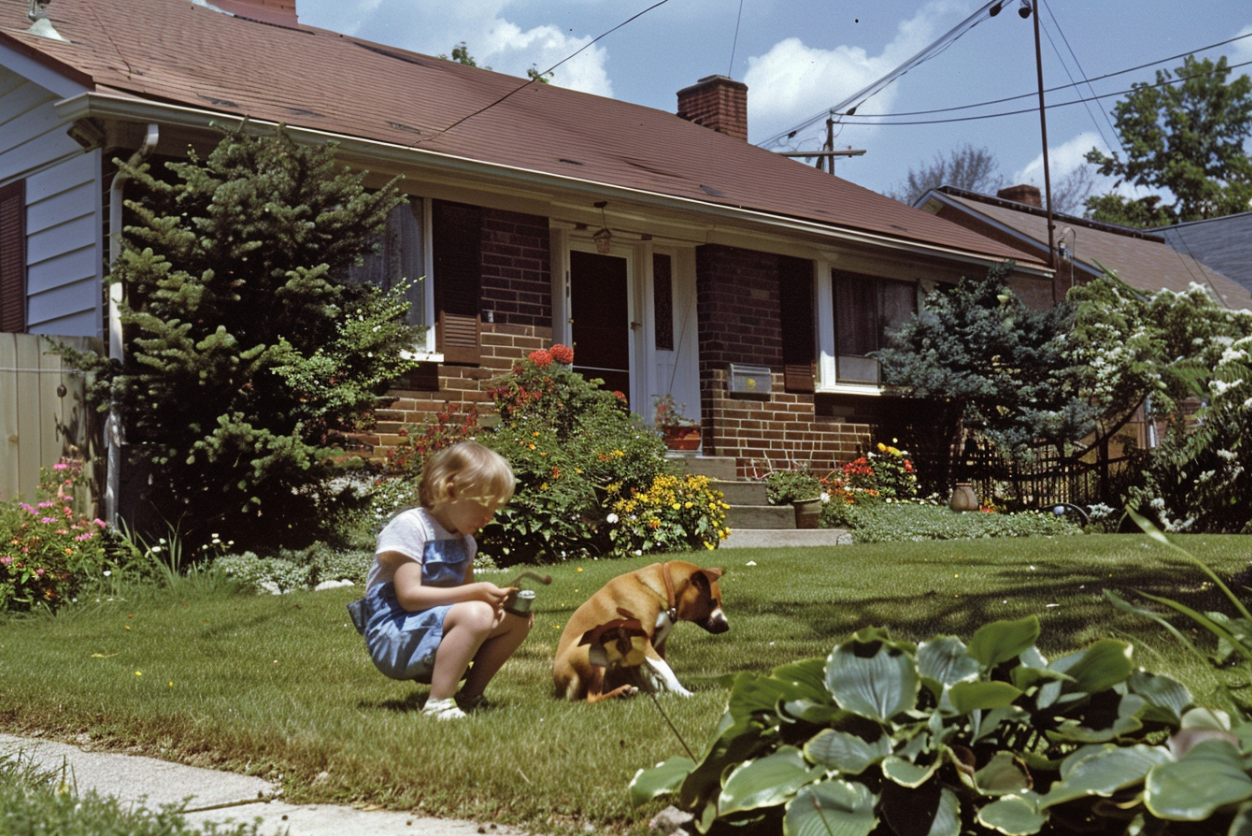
<point x="13" y="257"/>
<point x="866" y="309"/>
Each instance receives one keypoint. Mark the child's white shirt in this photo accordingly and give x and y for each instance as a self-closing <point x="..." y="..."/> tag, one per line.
<point x="408" y="533"/>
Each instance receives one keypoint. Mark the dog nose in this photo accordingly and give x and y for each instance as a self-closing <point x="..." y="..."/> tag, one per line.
<point x="716" y="622"/>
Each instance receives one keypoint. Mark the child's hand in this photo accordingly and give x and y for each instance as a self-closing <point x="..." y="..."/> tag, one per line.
<point x="489" y="592"/>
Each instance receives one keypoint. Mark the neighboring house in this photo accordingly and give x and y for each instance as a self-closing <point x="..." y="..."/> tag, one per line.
<point x="1140" y="258"/>
<point x="1223" y="244"/>
<point x="664" y="249"/>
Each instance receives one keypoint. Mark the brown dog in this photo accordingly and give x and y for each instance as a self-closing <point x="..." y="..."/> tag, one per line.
<point x="642" y="606"/>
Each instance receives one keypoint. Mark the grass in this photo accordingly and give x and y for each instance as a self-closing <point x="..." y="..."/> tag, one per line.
<point x="281" y="686"/>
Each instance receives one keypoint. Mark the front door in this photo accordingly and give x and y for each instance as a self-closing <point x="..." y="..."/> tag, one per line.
<point x="600" y="318"/>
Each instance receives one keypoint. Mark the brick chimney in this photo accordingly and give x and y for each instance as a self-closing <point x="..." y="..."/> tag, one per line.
<point x="717" y="102"/>
<point x="281" y="12"/>
<point x="1029" y="195"/>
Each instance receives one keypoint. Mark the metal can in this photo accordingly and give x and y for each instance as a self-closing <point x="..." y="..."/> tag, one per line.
<point x="519" y="602"/>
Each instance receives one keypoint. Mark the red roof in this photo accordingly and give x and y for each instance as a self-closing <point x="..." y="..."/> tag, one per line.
<point x="178" y="52"/>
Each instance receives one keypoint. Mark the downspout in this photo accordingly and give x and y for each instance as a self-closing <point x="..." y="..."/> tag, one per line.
<point x="114" y="433"/>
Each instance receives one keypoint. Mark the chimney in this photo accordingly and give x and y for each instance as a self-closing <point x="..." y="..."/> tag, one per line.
<point x="280" y="12"/>
<point x="1029" y="195"/>
<point x="717" y="102"/>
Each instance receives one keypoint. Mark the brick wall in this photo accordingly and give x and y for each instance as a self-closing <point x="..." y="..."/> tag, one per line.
<point x="517" y="283"/>
<point x="740" y="322"/>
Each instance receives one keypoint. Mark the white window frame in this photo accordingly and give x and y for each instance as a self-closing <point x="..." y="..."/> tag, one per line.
<point x="827" y="378"/>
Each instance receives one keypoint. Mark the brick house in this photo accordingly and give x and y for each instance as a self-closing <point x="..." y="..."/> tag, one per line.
<point x="672" y="254"/>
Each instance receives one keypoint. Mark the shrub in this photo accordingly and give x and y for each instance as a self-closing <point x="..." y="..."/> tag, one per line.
<point x="896" y="522"/>
<point x="48" y="550"/>
<point x="885" y="470"/>
<point x="786" y="486"/>
<point x="675" y="514"/>
<point x="259" y="574"/>
<point x="889" y="737"/>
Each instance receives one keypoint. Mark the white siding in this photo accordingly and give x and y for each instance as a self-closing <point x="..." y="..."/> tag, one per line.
<point x="64" y="213"/>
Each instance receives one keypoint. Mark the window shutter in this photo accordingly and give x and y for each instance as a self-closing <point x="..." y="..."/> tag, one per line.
<point x="13" y="257"/>
<point x="795" y="293"/>
<point x="457" y="232"/>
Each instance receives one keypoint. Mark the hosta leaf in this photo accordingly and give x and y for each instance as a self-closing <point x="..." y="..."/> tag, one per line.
<point x="1103" y="770"/>
<point x="766" y="782"/>
<point x="1074" y="731"/>
<point x="1097" y="667"/>
<point x="906" y="773"/>
<point x="1002" y="775"/>
<point x="946" y="661"/>
<point x="819" y="714"/>
<point x="1210" y="776"/>
<point x="662" y="779"/>
<point x="1003" y="640"/>
<point x="969" y="696"/>
<point x="753" y="694"/>
<point x="930" y="810"/>
<point x="845" y="752"/>
<point x="875" y="679"/>
<point x="1012" y="815"/>
<point x="831" y="808"/>
<point x="807" y="676"/>
<point x="1167" y="698"/>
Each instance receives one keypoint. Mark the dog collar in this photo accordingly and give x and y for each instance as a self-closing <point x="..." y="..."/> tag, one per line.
<point x="671" y="599"/>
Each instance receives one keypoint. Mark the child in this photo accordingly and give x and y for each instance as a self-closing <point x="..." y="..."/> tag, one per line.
<point x="424" y="617"/>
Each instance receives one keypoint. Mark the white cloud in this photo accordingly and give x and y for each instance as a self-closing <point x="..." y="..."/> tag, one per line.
<point x="793" y="81"/>
<point x="1064" y="158"/>
<point x="1241" y="51"/>
<point x="483" y="25"/>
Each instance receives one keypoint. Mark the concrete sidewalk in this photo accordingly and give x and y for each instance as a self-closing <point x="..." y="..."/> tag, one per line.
<point x="223" y="797"/>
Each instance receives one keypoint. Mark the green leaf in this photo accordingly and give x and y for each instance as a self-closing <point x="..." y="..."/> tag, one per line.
<point x="845" y="752"/>
<point x="831" y="808"/>
<point x="1211" y="775"/>
<point x="765" y="782"/>
<point x="876" y="679"/>
<point x="1003" y="640"/>
<point x="807" y="677"/>
<point x="906" y="773"/>
<point x="1012" y="815"/>
<point x="1096" y="667"/>
<point x="1002" y="775"/>
<point x="1103" y="770"/>
<point x="946" y="661"/>
<point x="970" y="696"/>
<point x="664" y="778"/>
<point x="754" y="693"/>
<point x="1167" y="698"/>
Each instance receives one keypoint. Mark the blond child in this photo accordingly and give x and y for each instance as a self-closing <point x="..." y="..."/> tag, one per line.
<point x="424" y="617"/>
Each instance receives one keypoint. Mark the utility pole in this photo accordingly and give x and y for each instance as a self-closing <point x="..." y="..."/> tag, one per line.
<point x="1027" y="7"/>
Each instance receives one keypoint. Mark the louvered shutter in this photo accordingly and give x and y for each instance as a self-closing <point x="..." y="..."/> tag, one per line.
<point x="457" y="232"/>
<point x="13" y="257"/>
<point x="795" y="292"/>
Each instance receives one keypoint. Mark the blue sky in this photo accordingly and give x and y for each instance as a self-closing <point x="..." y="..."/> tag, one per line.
<point x="800" y="57"/>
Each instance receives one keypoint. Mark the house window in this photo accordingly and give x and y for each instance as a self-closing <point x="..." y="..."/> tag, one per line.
<point x="866" y="309"/>
<point x="13" y="257"/>
<point x="663" y="301"/>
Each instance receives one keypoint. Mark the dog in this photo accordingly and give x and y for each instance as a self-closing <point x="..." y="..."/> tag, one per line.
<point x="595" y="657"/>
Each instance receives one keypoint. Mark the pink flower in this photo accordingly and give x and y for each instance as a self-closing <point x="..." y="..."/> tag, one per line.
<point x="60" y="466"/>
<point x="6" y="560"/>
<point x="47" y="520"/>
<point x="100" y="522"/>
<point x="541" y="357"/>
<point x="86" y="536"/>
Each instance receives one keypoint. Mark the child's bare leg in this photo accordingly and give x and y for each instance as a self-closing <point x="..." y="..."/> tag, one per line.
<point x="465" y="629"/>
<point x="495" y="651"/>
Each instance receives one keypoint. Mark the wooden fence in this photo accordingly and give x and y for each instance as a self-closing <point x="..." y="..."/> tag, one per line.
<point x="1045" y="480"/>
<point x="44" y="416"/>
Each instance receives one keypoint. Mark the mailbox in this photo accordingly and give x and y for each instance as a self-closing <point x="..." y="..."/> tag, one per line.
<point x="749" y="380"/>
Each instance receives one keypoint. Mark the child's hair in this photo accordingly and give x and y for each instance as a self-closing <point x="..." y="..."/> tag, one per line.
<point x="466" y="470"/>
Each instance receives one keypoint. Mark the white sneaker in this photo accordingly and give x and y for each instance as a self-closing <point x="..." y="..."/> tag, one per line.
<point x="442" y="709"/>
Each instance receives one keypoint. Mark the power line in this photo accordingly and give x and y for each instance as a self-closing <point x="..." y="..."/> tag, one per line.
<point x="730" y="71"/>
<point x="548" y="71"/>
<point x="1081" y="72"/>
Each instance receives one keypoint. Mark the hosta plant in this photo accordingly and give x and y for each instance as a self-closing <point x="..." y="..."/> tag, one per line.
<point x="945" y="738"/>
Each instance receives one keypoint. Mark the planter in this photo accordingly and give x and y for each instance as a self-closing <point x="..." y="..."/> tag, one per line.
<point x="681" y="437"/>
<point x="808" y="512"/>
<point x="963" y="498"/>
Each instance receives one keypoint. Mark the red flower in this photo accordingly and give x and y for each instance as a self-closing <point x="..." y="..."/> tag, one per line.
<point x="541" y="357"/>
<point x="562" y="354"/>
<point x="621" y="396"/>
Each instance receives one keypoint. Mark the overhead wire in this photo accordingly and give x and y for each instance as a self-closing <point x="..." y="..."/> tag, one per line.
<point x="730" y="71"/>
<point x="1056" y="23"/>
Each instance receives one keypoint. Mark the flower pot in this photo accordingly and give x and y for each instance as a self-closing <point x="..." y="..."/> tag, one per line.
<point x="808" y="512"/>
<point x="681" y="437"/>
<point x="963" y="498"/>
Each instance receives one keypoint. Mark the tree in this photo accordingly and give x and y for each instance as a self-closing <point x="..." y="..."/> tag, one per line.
<point x="1186" y="139"/>
<point x="979" y="354"/>
<point x="245" y="359"/>
<point x="966" y="167"/>
<point x="460" y="54"/>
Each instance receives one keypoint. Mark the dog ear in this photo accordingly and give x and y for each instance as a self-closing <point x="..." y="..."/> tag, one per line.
<point x="714" y="573"/>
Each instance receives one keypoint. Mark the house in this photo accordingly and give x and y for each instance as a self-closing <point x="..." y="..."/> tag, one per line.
<point x="1223" y="244"/>
<point x="1142" y="259"/>
<point x="673" y="255"/>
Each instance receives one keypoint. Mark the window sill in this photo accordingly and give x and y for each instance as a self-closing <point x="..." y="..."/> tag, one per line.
<point x="851" y="389"/>
<point x="422" y="356"/>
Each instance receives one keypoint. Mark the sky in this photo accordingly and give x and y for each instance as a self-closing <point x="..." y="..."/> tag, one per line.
<point x="800" y="58"/>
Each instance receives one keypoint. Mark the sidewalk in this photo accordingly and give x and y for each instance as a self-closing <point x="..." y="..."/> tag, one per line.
<point x="224" y="797"/>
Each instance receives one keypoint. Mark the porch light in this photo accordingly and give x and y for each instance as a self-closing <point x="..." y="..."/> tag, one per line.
<point x="603" y="237"/>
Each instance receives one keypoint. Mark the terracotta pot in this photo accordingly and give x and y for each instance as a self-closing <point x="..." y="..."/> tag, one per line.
<point x="808" y="512"/>
<point x="963" y="498"/>
<point x="679" y="437"/>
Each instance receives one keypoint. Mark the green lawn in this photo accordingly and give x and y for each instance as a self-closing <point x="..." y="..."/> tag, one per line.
<point x="281" y="686"/>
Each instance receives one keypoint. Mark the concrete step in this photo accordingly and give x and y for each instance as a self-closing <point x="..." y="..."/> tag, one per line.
<point x="743" y="493"/>
<point x="761" y="538"/>
<point x="760" y="516"/>
<point x="714" y="467"/>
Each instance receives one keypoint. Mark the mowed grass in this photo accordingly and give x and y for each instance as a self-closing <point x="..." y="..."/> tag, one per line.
<point x="281" y="686"/>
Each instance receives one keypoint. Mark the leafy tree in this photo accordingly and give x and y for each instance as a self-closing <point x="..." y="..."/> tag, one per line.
<point x="966" y="167"/>
<point x="460" y="54"/>
<point x="984" y="359"/>
<point x="1185" y="138"/>
<point x="245" y="359"/>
